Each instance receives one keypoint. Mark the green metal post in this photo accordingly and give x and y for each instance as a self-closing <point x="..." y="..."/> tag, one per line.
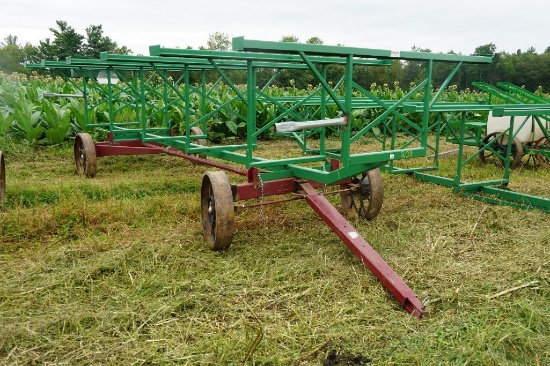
<point x="393" y="137"/>
<point x="251" y="140"/>
<point x="166" y="101"/>
<point x="324" y="93"/>
<point x="135" y="81"/>
<point x="506" y="175"/>
<point x="203" y="97"/>
<point x="143" y="103"/>
<point x="322" y="146"/>
<point x="458" y="175"/>
<point x="187" y="91"/>
<point x="110" y="96"/>
<point x="347" y="111"/>
<point x="86" y="101"/>
<point x="427" y="104"/>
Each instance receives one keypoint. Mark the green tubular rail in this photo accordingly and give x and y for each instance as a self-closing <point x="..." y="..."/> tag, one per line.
<point x="177" y="53"/>
<point x="242" y="44"/>
<point x="525" y="94"/>
<point x="493" y="91"/>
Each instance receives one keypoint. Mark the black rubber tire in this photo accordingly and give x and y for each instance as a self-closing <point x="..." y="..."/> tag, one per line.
<point x="217" y="211"/>
<point x="364" y="196"/>
<point x="85" y="157"/>
<point x="497" y="145"/>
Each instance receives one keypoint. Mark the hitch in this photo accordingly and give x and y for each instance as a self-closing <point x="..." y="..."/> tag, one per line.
<point x="359" y="246"/>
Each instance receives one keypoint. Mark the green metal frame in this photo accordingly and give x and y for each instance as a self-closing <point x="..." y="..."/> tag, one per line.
<point x="145" y="88"/>
<point x="493" y="191"/>
<point x="146" y="91"/>
<point x="510" y="93"/>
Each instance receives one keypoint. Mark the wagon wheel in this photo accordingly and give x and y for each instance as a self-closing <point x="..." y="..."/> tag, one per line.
<point x="84" y="155"/>
<point x="499" y="145"/>
<point x="542" y="144"/>
<point x="2" y="181"/>
<point x="364" y="196"/>
<point x="217" y="210"/>
<point x="202" y="142"/>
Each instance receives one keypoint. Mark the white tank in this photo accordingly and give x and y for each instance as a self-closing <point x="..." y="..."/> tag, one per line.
<point x="529" y="132"/>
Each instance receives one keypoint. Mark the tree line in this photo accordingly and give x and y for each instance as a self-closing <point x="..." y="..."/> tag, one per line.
<point x="66" y="42"/>
<point x="525" y="68"/>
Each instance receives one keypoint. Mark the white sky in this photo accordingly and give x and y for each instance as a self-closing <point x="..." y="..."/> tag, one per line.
<point x="397" y="25"/>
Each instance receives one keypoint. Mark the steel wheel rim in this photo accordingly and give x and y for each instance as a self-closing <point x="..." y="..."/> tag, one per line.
<point x="212" y="211"/>
<point x="490" y="146"/>
<point x="85" y="155"/>
<point x="364" y="196"/>
<point x="217" y="210"/>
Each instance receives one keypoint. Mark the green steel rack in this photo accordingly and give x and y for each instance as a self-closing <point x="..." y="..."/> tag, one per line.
<point x="149" y="106"/>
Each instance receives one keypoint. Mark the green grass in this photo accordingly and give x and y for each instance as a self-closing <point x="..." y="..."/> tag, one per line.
<point x="114" y="270"/>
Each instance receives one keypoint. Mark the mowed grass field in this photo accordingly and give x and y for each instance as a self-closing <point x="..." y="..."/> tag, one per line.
<point x="114" y="271"/>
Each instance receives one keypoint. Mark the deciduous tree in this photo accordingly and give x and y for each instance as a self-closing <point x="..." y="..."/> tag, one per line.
<point x="218" y="41"/>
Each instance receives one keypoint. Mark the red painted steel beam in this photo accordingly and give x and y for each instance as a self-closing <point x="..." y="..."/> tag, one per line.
<point x="196" y="159"/>
<point x="255" y="188"/>
<point x="137" y="147"/>
<point x="246" y="191"/>
<point x="359" y="246"/>
<point x="124" y="148"/>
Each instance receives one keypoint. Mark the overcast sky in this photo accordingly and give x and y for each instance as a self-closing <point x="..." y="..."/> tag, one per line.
<point x="396" y="25"/>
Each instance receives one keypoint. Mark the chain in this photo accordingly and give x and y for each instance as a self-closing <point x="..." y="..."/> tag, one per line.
<point x="325" y="185"/>
<point x="261" y="198"/>
<point x="261" y="187"/>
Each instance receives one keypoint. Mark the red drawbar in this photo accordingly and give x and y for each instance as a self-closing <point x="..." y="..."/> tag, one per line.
<point x="359" y="246"/>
